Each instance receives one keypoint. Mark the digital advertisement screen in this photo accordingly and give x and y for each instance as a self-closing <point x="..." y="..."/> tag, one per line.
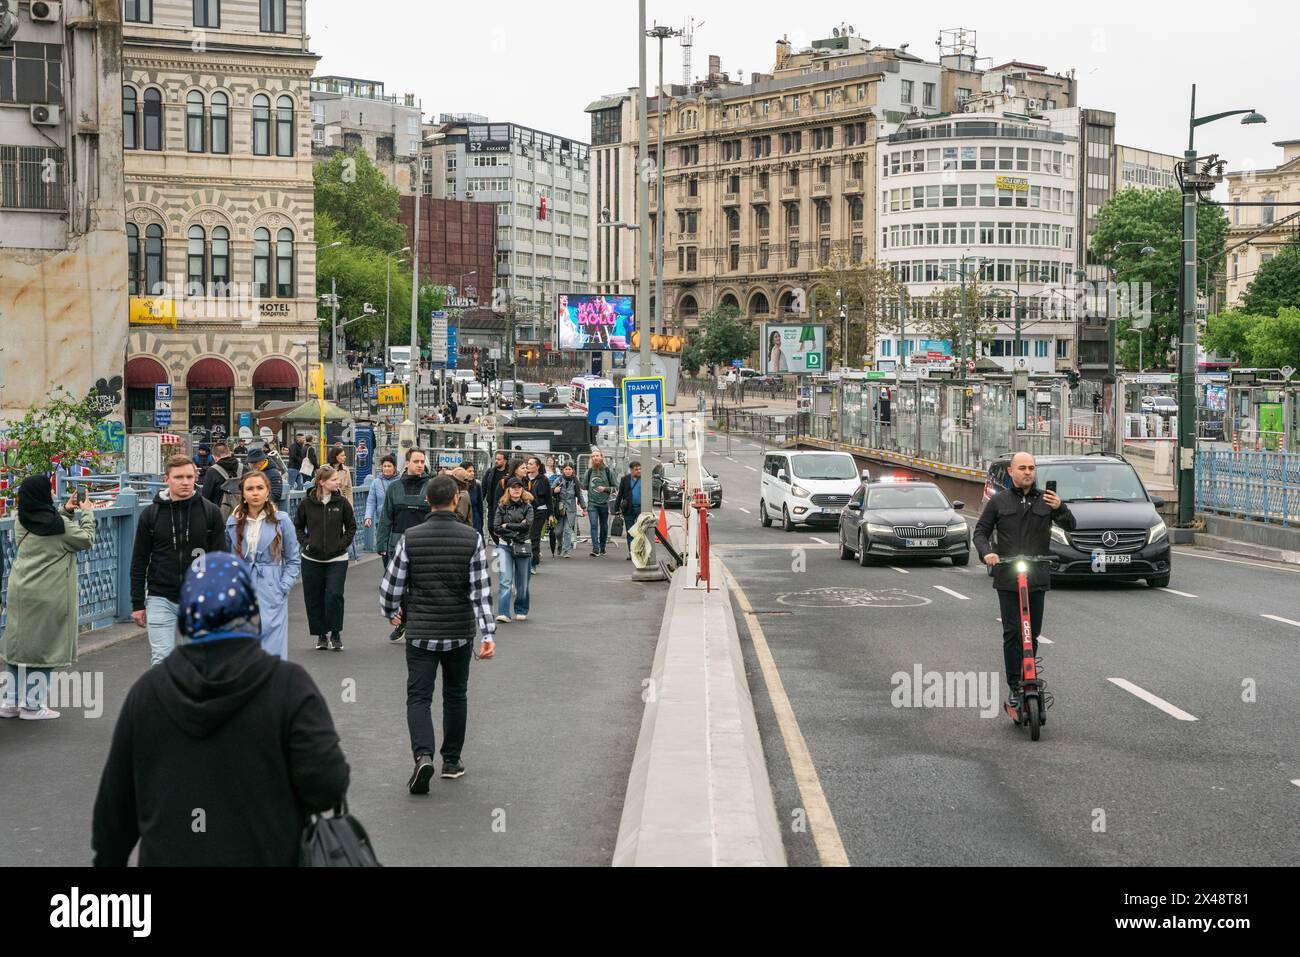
<point x="794" y="348"/>
<point x="598" y="323"/>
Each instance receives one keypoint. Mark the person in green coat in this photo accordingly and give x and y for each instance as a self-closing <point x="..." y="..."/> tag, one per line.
<point x="41" y="633"/>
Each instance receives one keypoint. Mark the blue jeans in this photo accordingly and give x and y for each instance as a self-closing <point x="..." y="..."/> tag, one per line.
<point x="27" y="687"/>
<point x="598" y="516"/>
<point x="295" y="478"/>
<point x="513" y="574"/>
<point x="160" y="616"/>
<point x="564" y="531"/>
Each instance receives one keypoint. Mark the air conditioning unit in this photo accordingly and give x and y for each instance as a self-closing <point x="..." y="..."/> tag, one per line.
<point x="1033" y="104"/>
<point x="43" y="114"/>
<point x="45" y="11"/>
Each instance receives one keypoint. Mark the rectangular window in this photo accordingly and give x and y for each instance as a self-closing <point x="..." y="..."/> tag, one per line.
<point x="927" y="92"/>
<point x="907" y="91"/>
<point x="207" y="13"/>
<point x="273" y="18"/>
<point x="823" y="252"/>
<point x="792" y="254"/>
<point x="1062" y="348"/>
<point x="763" y="254"/>
<point x="31" y="177"/>
<point x="733" y="255"/>
<point x="138" y="11"/>
<point x="31" y="73"/>
<point x="1040" y="348"/>
<point x="855" y="249"/>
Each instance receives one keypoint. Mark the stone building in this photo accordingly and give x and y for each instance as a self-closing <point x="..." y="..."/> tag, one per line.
<point x="62" y="290"/>
<point x="350" y="114"/>
<point x="220" y="238"/>
<point x="1257" y="233"/>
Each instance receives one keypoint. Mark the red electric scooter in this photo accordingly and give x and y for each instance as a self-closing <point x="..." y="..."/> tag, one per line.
<point x="1034" y="698"/>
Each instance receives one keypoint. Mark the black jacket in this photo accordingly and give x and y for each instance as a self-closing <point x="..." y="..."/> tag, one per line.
<point x="623" y="499"/>
<point x="490" y="488"/>
<point x="296" y="453"/>
<point x="213" y="480"/>
<point x="168" y="537"/>
<point x="1022" y="524"/>
<point x="437" y="604"/>
<point x="325" y="529"/>
<point x="540" y="489"/>
<point x="513" y="521"/>
<point x="225" y="735"/>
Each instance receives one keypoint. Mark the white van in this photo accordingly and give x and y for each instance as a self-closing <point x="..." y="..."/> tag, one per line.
<point x="807" y="487"/>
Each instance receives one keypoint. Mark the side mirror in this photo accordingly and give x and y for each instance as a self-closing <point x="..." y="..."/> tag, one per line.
<point x="866" y="475"/>
<point x="855" y="506"/>
<point x="958" y="506"/>
<point x="1157" y="501"/>
<point x="782" y="476"/>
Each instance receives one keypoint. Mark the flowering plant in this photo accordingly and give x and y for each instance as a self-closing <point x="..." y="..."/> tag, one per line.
<point x="62" y="431"/>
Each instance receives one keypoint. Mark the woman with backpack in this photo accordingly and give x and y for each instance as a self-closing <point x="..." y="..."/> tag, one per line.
<point x="264" y="537"/>
<point x="513" y="524"/>
<point x="326" y="526"/>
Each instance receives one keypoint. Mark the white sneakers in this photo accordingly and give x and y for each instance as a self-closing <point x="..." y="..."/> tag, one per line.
<point x="8" y="710"/>
<point x="503" y="617"/>
<point x="24" y="714"/>
<point x="521" y="617"/>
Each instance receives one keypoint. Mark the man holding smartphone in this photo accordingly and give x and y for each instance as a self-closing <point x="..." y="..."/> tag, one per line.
<point x="1018" y="521"/>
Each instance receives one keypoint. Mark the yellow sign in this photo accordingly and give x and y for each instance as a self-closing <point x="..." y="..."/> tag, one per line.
<point x="316" y="382"/>
<point x="1017" y="183"/>
<point x="392" y="395"/>
<point x="146" y="311"/>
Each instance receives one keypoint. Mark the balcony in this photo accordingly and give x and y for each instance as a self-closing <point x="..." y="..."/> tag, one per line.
<point x="821" y="189"/>
<point x="763" y="233"/>
<point x="790" y="192"/>
<point x="730" y="199"/>
<point x="853" y="187"/>
<point x="689" y="202"/>
<point x="758" y="196"/>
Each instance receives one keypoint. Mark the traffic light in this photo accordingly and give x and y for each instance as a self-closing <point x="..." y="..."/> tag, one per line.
<point x="1073" y="378"/>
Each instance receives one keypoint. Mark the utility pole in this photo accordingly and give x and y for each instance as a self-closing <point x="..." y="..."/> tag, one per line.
<point x="334" y="339"/>
<point x="651" y="573"/>
<point x="409" y="427"/>
<point x="661" y="34"/>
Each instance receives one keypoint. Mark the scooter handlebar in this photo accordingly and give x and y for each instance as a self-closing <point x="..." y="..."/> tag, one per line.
<point x="1015" y="559"/>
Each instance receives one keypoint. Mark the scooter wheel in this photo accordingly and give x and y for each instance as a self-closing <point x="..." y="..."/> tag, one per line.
<point x="1031" y="705"/>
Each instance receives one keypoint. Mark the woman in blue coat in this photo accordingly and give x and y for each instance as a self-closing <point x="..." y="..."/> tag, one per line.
<point x="265" y="538"/>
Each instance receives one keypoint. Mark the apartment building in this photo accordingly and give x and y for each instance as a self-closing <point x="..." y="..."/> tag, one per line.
<point x="349" y="113"/>
<point x="1257" y="233"/>
<point x="221" y="255"/>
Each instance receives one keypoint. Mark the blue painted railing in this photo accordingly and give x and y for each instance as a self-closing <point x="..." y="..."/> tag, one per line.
<point x="1261" y="486"/>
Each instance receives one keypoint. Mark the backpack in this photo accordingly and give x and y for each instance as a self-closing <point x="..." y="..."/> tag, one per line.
<point x="337" y="841"/>
<point x="229" y="500"/>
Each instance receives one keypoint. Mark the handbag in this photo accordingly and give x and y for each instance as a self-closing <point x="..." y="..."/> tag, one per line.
<point x="520" y="549"/>
<point x="336" y="841"/>
<point x="616" y="524"/>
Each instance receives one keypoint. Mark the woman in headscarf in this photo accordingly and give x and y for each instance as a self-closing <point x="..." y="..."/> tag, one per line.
<point x="222" y="726"/>
<point x="265" y="538"/>
<point x="41" y="633"/>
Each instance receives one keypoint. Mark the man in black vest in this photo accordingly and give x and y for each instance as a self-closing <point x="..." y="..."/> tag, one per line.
<point x="438" y="573"/>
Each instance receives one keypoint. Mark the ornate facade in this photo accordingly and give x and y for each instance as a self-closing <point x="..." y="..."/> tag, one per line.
<point x="219" y="198"/>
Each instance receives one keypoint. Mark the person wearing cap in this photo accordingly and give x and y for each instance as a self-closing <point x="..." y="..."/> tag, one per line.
<point x="220" y="754"/>
<point x="259" y="461"/>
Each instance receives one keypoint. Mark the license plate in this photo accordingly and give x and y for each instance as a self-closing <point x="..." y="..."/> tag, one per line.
<point x="922" y="542"/>
<point x="832" y="510"/>
<point x="1102" y="559"/>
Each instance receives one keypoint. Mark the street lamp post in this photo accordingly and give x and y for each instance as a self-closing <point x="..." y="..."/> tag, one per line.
<point x="661" y="34"/>
<point x="1192" y="183"/>
<point x="388" y="294"/>
<point x="650" y="573"/>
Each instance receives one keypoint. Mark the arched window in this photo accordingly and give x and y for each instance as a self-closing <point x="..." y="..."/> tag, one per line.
<point x="153" y="119"/>
<point x="194" y="121"/>
<point x="220" y="113"/>
<point x="130" y="121"/>
<point x="763" y="216"/>
<point x="153" y="260"/>
<point x="284" y="264"/>
<point x="284" y="126"/>
<point x="133" y="259"/>
<point x="758" y="306"/>
<point x="262" y="262"/>
<point x="194" y="257"/>
<point x="855" y="209"/>
<point x="823" y="214"/>
<point x="792" y="215"/>
<point x="221" y="260"/>
<point x="261" y="125"/>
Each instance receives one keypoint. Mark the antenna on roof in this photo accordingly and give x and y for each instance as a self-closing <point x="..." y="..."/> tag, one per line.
<point x="688" y="42"/>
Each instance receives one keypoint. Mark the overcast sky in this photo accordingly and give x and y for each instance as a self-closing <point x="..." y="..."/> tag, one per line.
<point x="540" y="63"/>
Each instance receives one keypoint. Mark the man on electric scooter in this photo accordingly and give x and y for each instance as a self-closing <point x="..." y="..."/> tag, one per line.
<point x="1021" y="517"/>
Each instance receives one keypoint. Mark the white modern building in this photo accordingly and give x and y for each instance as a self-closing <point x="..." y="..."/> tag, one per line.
<point x="991" y="194"/>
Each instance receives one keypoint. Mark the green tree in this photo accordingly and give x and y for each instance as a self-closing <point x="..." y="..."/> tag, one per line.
<point x="1225" y="335"/>
<point x="1135" y="218"/>
<point x="353" y="193"/>
<point x="721" y="337"/>
<point x="1274" y="341"/>
<point x="870" y="294"/>
<point x="361" y="275"/>
<point x="1277" y="282"/>
<point x="62" y="431"/>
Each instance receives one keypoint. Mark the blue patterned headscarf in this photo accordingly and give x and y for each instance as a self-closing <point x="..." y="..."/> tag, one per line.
<point x="217" y="599"/>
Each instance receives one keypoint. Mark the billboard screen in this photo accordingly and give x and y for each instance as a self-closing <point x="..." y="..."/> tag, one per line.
<point x="597" y="323"/>
<point x="798" y="349"/>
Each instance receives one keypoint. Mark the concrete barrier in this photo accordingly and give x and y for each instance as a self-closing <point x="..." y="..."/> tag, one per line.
<point x="698" y="794"/>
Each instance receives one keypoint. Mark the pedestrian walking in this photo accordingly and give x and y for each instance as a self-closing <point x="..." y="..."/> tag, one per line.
<point x="264" y="537"/>
<point x="326" y="526"/>
<point x="338" y="461"/>
<point x="488" y="489"/>
<point x="259" y="461"/>
<point x="405" y="506"/>
<point x="297" y="452"/>
<point x="222" y="727"/>
<point x="599" y="486"/>
<point x="628" y="500"/>
<point x="539" y="486"/>
<point x="220" y="485"/>
<point x="570" y="502"/>
<point x="513" y="523"/>
<point x="464" y="508"/>
<point x="310" y="462"/>
<point x="41" y="631"/>
<point x="375" y="497"/>
<point x="475" y="496"/>
<point x="176" y="528"/>
<point x="203" y="458"/>
<point x="437" y="586"/>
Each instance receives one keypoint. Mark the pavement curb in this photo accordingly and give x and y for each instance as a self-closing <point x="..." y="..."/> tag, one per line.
<point x="1246" y="549"/>
<point x="698" y="794"/>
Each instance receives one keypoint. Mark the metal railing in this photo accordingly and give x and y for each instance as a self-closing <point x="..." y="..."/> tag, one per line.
<point x="1262" y="486"/>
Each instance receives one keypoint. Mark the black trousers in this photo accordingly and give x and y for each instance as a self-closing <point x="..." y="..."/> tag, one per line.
<point x="539" y="522"/>
<point x="1009" y="602"/>
<point x="322" y="589"/>
<point x="421" y="671"/>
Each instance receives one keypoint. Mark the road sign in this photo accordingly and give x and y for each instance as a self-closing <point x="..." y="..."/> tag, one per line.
<point x="162" y="393"/>
<point x="438" y="340"/>
<point x="1154" y="378"/>
<point x="162" y="418"/>
<point x="453" y="346"/>
<point x="643" y="409"/>
<point x="391" y="395"/>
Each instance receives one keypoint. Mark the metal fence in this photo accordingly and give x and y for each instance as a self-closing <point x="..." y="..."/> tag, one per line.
<point x="1262" y="486"/>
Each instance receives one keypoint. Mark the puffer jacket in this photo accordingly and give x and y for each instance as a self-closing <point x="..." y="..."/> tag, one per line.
<point x="513" y="521"/>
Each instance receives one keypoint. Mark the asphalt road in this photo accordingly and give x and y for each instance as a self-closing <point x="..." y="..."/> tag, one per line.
<point x="553" y="722"/>
<point x="1114" y="780"/>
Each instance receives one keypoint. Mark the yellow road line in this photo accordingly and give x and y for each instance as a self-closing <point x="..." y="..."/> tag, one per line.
<point x="826" y="836"/>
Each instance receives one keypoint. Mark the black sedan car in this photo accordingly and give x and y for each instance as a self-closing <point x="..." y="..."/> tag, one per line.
<point x="670" y="481"/>
<point x="895" y="519"/>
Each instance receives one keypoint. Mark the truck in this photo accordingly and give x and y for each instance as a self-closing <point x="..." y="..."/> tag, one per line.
<point x="399" y="361"/>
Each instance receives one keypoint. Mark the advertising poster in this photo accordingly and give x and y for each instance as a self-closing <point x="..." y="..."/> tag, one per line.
<point x="797" y="349"/>
<point x="598" y="323"/>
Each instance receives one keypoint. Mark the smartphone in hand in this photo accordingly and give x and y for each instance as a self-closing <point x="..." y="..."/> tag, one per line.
<point x="1051" y="485"/>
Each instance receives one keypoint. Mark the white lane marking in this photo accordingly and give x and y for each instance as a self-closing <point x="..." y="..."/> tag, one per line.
<point x="955" y="594"/>
<point x="751" y="468"/>
<point x="1041" y="639"/>
<point x="745" y="510"/>
<point x="1296" y="782"/>
<point x="899" y="570"/>
<point x="753" y="446"/>
<point x="729" y="458"/>
<point x="732" y="546"/>
<point x="826" y="836"/>
<point x="1285" y="621"/>
<point x="712" y="452"/>
<point x="1152" y="700"/>
<point x="1194" y="553"/>
<point x="1175" y="591"/>
<point x="819" y="541"/>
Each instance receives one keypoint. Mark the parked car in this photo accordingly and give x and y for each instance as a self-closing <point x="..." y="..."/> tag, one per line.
<point x="807" y="488"/>
<point x="1162" y="405"/>
<point x="670" y="483"/>
<point x="895" y="518"/>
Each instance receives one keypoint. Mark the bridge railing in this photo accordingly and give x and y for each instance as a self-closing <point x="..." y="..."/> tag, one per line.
<point x="1262" y="486"/>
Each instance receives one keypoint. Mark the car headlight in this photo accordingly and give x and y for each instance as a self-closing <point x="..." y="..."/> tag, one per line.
<point x="800" y="492"/>
<point x="1058" y="535"/>
<point x="957" y="529"/>
<point x="874" y="529"/>
<point x="1158" y="531"/>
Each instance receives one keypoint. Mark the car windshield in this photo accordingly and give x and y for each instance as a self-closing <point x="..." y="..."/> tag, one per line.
<point x="1093" y="481"/>
<point x="1163" y="400"/>
<point x="829" y="467"/>
<point x="903" y="496"/>
<point x="676" y="472"/>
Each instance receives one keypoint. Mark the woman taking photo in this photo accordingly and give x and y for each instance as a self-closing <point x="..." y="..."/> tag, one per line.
<point x="41" y="633"/>
<point x="265" y="538"/>
<point x="326" y="526"/>
<point x="513" y="524"/>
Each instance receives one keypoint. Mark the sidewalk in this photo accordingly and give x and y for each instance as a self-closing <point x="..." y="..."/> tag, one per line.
<point x="553" y="724"/>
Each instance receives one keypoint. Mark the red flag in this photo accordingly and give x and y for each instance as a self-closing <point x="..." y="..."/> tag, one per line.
<point x="541" y="209"/>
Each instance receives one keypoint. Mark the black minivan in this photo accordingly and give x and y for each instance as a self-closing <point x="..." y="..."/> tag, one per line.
<point x="1118" y="535"/>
